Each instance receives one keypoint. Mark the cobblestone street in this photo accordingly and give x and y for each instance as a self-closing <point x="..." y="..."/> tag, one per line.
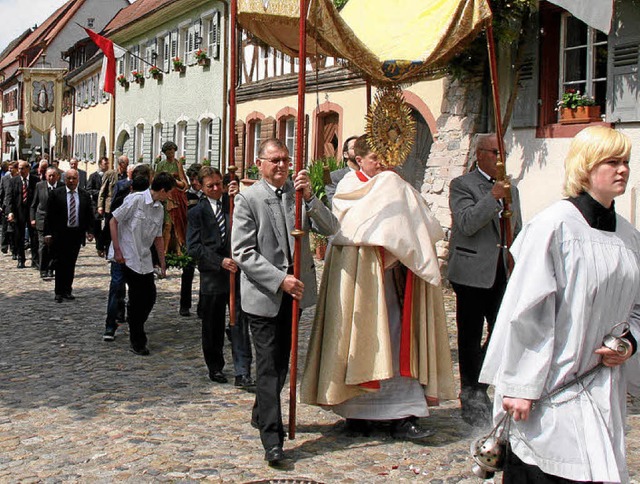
<point x="76" y="409"/>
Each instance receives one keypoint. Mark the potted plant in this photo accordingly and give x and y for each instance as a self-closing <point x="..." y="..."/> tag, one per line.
<point x="206" y="162"/>
<point x="318" y="244"/>
<point x="155" y="72"/>
<point x="253" y="173"/>
<point x="202" y="58"/>
<point x="122" y="80"/>
<point x="138" y="77"/>
<point x="576" y="108"/>
<point x="178" y="65"/>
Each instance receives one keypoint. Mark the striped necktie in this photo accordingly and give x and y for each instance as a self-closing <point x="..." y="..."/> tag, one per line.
<point x="24" y="190"/>
<point x="220" y="219"/>
<point x="73" y="218"/>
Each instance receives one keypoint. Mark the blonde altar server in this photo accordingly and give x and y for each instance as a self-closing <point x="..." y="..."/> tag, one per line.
<point x="576" y="276"/>
<point x="379" y="345"/>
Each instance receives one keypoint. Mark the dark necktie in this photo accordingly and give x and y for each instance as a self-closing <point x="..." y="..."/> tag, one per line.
<point x="279" y="193"/>
<point x="220" y="219"/>
<point x="24" y="190"/>
<point x="72" y="210"/>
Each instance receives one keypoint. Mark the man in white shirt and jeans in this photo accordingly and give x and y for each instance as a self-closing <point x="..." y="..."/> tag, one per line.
<point x="135" y="225"/>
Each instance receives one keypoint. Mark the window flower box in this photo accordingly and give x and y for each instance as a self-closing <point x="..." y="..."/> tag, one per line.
<point x="156" y="73"/>
<point x="202" y="58"/>
<point x="178" y="65"/>
<point x="577" y="108"/>
<point x="138" y="77"/>
<point x="580" y="114"/>
<point x="122" y="80"/>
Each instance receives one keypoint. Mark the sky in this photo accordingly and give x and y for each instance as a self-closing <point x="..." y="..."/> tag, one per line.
<point x="18" y="15"/>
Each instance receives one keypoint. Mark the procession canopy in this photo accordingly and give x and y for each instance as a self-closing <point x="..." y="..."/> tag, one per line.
<point x="385" y="41"/>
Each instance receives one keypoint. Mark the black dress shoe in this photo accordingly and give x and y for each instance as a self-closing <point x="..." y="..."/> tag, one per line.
<point x="4" y="250"/>
<point x="184" y="312"/>
<point x="218" y="377"/>
<point x="21" y="265"/>
<point x="58" y="298"/>
<point x="50" y="274"/>
<point x="14" y="256"/>
<point x="69" y="296"/>
<point x="408" y="429"/>
<point x="274" y="455"/>
<point x="357" y="426"/>
<point x="144" y="351"/>
<point x="43" y="274"/>
<point x="245" y="381"/>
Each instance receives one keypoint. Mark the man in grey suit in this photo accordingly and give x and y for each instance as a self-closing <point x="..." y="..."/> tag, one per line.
<point x="262" y="246"/>
<point x="478" y="268"/>
<point x="38" y="214"/>
<point x="349" y="160"/>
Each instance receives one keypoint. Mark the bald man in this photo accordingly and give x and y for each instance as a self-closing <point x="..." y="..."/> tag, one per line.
<point x="67" y="224"/>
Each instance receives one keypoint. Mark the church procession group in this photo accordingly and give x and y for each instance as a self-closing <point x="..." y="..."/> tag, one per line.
<point x="547" y="306"/>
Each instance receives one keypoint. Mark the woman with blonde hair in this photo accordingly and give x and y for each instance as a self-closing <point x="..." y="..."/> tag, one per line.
<point x="576" y="277"/>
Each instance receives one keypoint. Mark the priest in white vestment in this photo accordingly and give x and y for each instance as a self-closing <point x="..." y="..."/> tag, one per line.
<point x="576" y="276"/>
<point x="379" y="345"/>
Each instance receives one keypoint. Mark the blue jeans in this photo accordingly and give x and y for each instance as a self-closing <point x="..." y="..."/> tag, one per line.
<point x="117" y="291"/>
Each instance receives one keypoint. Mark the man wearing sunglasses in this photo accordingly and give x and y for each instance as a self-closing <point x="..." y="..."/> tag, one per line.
<point x="477" y="268"/>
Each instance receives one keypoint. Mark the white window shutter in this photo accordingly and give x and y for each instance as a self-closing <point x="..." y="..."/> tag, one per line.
<point x="525" y="110"/>
<point x="623" y="85"/>
<point x="174" y="44"/>
<point x="167" y="53"/>
<point x="214" y="35"/>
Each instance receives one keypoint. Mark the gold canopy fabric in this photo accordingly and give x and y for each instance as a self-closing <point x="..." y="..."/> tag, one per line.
<point x="386" y="41"/>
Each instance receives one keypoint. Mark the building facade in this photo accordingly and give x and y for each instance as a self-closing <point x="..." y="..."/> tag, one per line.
<point x="172" y="83"/>
<point x="40" y="51"/>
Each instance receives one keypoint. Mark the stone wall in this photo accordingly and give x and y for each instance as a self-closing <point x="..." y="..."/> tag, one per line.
<point x="451" y="153"/>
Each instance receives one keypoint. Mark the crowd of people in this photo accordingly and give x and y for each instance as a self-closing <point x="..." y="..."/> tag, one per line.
<point x="379" y="352"/>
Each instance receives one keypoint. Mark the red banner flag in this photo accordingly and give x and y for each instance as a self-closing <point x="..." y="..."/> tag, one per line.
<point x="111" y="51"/>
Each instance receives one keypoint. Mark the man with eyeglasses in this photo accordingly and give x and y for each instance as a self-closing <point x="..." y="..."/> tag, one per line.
<point x="478" y="268"/>
<point x="262" y="246"/>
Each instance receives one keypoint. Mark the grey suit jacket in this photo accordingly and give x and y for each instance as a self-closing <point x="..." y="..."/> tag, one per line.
<point x="39" y="204"/>
<point x="336" y="176"/>
<point x="475" y="233"/>
<point x="259" y="245"/>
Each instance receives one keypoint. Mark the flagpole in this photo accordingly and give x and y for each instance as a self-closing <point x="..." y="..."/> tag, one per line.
<point x="112" y="131"/>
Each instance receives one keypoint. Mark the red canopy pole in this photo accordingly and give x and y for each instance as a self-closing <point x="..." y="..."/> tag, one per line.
<point x="505" y="219"/>
<point x="298" y="232"/>
<point x="233" y="63"/>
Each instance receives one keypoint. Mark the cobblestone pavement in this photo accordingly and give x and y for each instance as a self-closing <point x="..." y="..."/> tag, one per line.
<point x="76" y="409"/>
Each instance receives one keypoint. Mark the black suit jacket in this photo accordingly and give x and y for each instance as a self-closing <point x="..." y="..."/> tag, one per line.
<point x="39" y="204"/>
<point x="4" y="191"/>
<point x="55" y="221"/>
<point x="14" y="202"/>
<point x="204" y="243"/>
<point x="93" y="187"/>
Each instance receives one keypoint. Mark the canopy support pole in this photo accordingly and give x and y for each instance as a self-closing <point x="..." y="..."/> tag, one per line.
<point x="505" y="219"/>
<point x="232" y="142"/>
<point x="298" y="232"/>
